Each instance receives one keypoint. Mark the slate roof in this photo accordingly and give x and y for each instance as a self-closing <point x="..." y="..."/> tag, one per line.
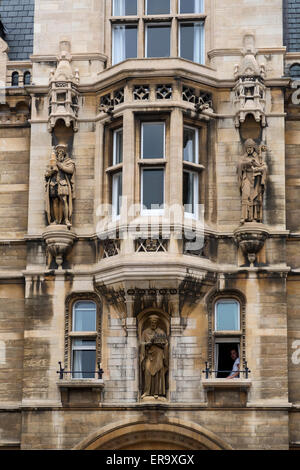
<point x="291" y="23"/>
<point x="17" y="17"/>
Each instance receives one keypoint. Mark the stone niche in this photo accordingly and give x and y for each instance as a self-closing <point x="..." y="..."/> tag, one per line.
<point x="153" y="334"/>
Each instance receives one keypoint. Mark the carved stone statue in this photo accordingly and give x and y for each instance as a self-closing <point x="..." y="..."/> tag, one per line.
<point x="154" y="359"/>
<point x="60" y="188"/>
<point x="252" y="175"/>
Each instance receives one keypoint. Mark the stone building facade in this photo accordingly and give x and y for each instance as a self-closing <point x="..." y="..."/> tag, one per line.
<point x="114" y="336"/>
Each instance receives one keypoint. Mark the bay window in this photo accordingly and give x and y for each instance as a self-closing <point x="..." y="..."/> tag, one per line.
<point x="124" y="42"/>
<point x="84" y="333"/>
<point x="124" y="7"/>
<point x="191" y="42"/>
<point x="154" y="22"/>
<point x="158" y="40"/>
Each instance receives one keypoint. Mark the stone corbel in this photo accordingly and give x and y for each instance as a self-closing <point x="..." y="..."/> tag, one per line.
<point x="251" y="238"/>
<point x="59" y="241"/>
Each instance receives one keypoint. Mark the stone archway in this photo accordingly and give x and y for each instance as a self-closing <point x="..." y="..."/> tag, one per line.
<point x="174" y="434"/>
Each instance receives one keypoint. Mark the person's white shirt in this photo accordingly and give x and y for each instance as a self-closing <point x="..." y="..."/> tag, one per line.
<point x="235" y="367"/>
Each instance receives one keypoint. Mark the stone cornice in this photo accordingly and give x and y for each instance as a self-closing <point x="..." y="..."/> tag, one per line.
<point x="230" y="52"/>
<point x="81" y="56"/>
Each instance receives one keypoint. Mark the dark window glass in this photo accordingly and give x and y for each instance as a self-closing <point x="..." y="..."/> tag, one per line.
<point x="124" y="7"/>
<point x="224" y="363"/>
<point x="191" y="6"/>
<point x="153" y="140"/>
<point x="153" y="188"/>
<point x="15" y="79"/>
<point x="27" y="78"/>
<point x="157" y="7"/>
<point x="191" y="41"/>
<point x="158" y="41"/>
<point x="188" y="192"/>
<point x="124" y="43"/>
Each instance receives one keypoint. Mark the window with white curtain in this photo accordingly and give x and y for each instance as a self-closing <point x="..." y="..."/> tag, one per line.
<point x="191" y="6"/>
<point x="190" y="145"/>
<point x="190" y="193"/>
<point x="124" y="43"/>
<point x="191" y="41"/>
<point x="124" y="7"/>
<point x="116" y="194"/>
<point x="118" y="147"/>
<point x="84" y="320"/>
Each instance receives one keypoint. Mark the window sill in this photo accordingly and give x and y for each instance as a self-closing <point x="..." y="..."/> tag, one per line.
<point x="193" y="166"/>
<point x="81" y="383"/>
<point x="152" y="161"/>
<point x="114" y="168"/>
<point x="226" y="383"/>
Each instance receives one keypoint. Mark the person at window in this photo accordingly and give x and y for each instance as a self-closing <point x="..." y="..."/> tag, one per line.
<point x="235" y="373"/>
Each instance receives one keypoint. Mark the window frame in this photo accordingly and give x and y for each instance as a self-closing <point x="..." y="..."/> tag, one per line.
<point x="154" y="212"/>
<point x="142" y="140"/>
<point x="196" y="130"/>
<point x="154" y="24"/>
<point x="156" y="14"/>
<point x="227" y="300"/>
<point x="114" y="26"/>
<point x="114" y="194"/>
<point x="202" y="51"/>
<point x="191" y="13"/>
<point x="115" y="133"/>
<point x="194" y="214"/>
<point x="122" y="16"/>
<point x="71" y="335"/>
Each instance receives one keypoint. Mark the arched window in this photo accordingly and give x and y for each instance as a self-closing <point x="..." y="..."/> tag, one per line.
<point x="227" y="336"/>
<point x="84" y="339"/>
<point x="27" y="78"/>
<point x="15" y="79"/>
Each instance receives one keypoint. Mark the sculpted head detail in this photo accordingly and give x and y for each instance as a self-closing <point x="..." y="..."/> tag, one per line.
<point x="61" y="152"/>
<point x="153" y="321"/>
<point x="250" y="146"/>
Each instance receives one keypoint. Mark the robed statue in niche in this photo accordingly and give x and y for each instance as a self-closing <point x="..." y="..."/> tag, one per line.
<point x="154" y="359"/>
<point x="252" y="175"/>
<point x="60" y="187"/>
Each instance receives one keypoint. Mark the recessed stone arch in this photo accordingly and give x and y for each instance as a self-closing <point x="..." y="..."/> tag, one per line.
<point x="173" y="434"/>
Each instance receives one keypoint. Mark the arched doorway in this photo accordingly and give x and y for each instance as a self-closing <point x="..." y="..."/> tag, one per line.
<point x="173" y="434"/>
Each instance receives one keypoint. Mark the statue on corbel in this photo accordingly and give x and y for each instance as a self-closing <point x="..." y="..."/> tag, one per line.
<point x="63" y="90"/>
<point x="59" y="196"/>
<point x="250" y="90"/>
<point x="252" y="177"/>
